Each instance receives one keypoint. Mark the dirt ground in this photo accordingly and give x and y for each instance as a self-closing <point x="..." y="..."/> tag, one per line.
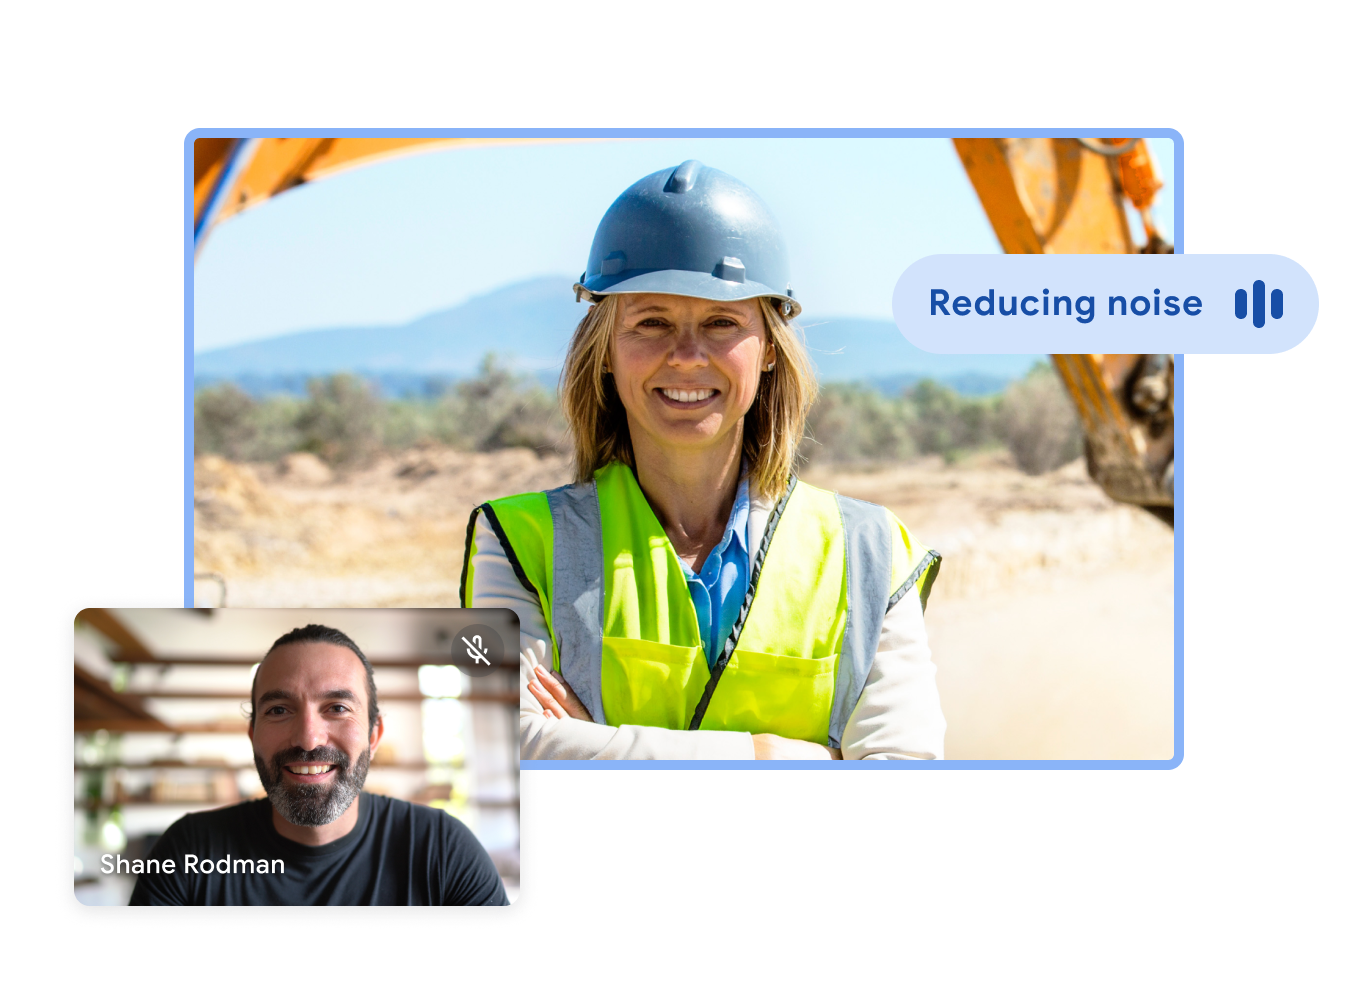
<point x="1051" y="620"/>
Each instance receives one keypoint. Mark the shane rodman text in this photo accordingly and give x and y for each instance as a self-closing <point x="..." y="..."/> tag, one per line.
<point x="111" y="864"/>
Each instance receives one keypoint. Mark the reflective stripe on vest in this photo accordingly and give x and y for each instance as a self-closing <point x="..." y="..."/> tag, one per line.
<point x="868" y="556"/>
<point x="577" y="616"/>
<point x="625" y="635"/>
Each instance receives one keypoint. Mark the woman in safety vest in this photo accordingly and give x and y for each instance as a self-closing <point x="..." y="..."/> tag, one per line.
<point x="687" y="596"/>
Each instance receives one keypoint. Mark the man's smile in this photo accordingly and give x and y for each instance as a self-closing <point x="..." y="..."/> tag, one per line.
<point x="309" y="774"/>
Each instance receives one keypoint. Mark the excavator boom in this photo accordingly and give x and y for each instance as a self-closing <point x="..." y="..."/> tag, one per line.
<point x="1046" y="195"/>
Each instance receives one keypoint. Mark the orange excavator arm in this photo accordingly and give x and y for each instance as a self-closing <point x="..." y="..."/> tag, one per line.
<point x="1046" y="195"/>
<point x="233" y="175"/>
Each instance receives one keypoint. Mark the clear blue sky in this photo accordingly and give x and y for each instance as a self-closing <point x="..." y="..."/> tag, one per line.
<point x="394" y="241"/>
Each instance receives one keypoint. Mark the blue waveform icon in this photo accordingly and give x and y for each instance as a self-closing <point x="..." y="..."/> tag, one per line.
<point x="1275" y="304"/>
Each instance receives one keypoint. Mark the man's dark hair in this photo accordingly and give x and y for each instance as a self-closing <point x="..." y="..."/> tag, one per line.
<point x="333" y="637"/>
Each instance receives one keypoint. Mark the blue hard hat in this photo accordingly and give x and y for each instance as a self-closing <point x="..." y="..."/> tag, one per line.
<point x="690" y="230"/>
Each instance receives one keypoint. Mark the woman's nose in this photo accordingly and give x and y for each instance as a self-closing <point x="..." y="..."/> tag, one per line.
<point x="688" y="348"/>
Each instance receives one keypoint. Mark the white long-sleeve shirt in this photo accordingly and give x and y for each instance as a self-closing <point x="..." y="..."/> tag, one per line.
<point x="897" y="717"/>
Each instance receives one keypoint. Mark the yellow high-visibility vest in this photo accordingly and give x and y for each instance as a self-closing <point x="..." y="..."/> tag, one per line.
<point x="625" y="635"/>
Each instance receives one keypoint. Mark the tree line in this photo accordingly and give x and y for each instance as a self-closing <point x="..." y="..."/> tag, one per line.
<point x="346" y="422"/>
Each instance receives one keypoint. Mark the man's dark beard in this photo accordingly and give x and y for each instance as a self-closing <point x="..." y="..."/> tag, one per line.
<point x="313" y="805"/>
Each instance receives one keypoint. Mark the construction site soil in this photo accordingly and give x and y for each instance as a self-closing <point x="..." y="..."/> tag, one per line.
<point x="1051" y="621"/>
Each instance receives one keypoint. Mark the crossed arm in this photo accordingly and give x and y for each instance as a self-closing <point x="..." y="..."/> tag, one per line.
<point x="559" y="702"/>
<point x="898" y="715"/>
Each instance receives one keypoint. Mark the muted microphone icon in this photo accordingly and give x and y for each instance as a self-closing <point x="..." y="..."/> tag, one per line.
<point x="477" y="650"/>
<point x="1275" y="304"/>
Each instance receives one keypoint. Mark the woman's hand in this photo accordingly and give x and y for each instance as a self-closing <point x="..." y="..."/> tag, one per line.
<point x="771" y="747"/>
<point x="557" y="700"/>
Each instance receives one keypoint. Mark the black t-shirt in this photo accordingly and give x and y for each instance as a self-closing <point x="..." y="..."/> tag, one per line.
<point x="398" y="854"/>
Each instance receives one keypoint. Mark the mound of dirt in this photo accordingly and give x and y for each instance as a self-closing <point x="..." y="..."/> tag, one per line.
<point x="225" y="492"/>
<point x="297" y="534"/>
<point x="304" y="469"/>
<point x="1000" y="529"/>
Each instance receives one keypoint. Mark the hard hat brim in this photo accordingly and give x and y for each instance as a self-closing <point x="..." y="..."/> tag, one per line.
<point x="694" y="284"/>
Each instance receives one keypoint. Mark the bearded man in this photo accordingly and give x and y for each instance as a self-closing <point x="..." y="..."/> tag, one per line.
<point x="317" y="838"/>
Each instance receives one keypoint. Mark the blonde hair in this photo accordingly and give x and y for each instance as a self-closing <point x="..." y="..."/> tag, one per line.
<point x="773" y="426"/>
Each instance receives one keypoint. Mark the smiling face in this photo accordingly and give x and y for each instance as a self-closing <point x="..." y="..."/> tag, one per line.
<point x="687" y="369"/>
<point x="310" y="738"/>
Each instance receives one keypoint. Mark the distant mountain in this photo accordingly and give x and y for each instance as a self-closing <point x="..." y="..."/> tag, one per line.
<point x="528" y="325"/>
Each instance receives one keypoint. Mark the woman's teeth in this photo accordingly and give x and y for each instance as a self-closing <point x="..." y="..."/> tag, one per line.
<point x="309" y="768"/>
<point x="689" y="395"/>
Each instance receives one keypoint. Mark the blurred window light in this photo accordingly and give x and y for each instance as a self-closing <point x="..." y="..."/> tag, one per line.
<point x="444" y="731"/>
<point x="112" y="835"/>
<point x="437" y="681"/>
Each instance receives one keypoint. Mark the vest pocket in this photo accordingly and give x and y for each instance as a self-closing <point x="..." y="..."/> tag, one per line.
<point x="768" y="693"/>
<point x="651" y="683"/>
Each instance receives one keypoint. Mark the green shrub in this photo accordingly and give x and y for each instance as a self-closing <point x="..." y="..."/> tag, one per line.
<point x="1038" y="422"/>
<point x="947" y="424"/>
<point x="344" y="422"/>
<point x="407" y="422"/>
<point x="852" y="422"/>
<point x="224" y="421"/>
<point x="230" y="423"/>
<point x="498" y="409"/>
<point x="341" y="421"/>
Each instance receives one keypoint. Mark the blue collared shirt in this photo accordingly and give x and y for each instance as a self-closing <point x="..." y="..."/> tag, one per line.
<point x="720" y="586"/>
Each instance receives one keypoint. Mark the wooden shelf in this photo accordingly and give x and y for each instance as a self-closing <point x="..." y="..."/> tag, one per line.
<point x="202" y="660"/>
<point x="143" y="726"/>
<point x="503" y="697"/>
<point x="411" y="765"/>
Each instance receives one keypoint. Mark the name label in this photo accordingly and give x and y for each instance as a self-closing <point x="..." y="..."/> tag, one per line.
<point x="117" y="864"/>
